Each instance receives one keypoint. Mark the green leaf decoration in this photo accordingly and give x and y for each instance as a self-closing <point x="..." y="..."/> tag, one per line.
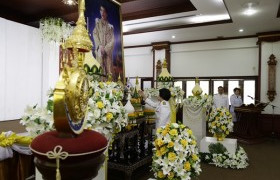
<point x="217" y="148"/>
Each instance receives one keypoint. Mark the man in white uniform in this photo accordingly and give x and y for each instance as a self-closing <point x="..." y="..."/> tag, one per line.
<point x="235" y="101"/>
<point x="162" y="107"/>
<point x="220" y="99"/>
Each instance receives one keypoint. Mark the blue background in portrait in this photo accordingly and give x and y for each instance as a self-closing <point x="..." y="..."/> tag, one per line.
<point x="93" y="11"/>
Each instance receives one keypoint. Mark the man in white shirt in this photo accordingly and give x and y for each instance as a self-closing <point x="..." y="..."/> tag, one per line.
<point x="162" y="107"/>
<point x="220" y="99"/>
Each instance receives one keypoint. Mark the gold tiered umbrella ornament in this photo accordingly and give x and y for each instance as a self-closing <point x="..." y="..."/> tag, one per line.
<point x="164" y="80"/>
<point x="70" y="142"/>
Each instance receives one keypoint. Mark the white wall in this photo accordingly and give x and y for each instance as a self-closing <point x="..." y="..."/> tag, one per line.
<point x="267" y="50"/>
<point x="28" y="68"/>
<point x="21" y="64"/>
<point x="138" y="62"/>
<point x="215" y="58"/>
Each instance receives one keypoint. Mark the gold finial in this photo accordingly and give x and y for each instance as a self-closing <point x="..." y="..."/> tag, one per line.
<point x="196" y="80"/>
<point x="164" y="64"/>
<point x="197" y="91"/>
<point x="137" y="80"/>
<point x="79" y="38"/>
<point x="120" y="81"/>
<point x="110" y="77"/>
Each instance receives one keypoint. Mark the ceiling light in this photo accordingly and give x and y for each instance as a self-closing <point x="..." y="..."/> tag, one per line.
<point x="241" y="30"/>
<point x="250" y="8"/>
<point x="70" y="2"/>
<point x="173" y="37"/>
<point x="208" y="18"/>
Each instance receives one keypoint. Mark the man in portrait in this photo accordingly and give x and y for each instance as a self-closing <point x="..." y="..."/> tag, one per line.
<point x="103" y="34"/>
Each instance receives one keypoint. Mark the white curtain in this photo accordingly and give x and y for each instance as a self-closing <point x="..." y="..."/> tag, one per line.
<point x="25" y="72"/>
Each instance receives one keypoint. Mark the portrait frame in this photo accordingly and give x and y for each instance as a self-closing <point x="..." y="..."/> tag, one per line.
<point x="114" y="20"/>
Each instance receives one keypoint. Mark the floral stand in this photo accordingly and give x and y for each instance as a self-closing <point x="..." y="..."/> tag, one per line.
<point x="229" y="144"/>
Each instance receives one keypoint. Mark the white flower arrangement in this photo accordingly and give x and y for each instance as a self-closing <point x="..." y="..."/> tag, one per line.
<point x="37" y="120"/>
<point x="175" y="92"/>
<point x="220" y="121"/>
<point x="55" y="29"/>
<point x="205" y="101"/>
<point x="175" y="153"/>
<point x="239" y="160"/>
<point x="106" y="113"/>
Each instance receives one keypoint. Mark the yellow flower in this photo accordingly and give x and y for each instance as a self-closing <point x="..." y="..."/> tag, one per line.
<point x="170" y="175"/>
<point x="159" y="130"/>
<point x="217" y="118"/>
<point x="114" y="91"/>
<point x="187" y="166"/>
<point x="173" y="132"/>
<point x="182" y="126"/>
<point x="108" y="82"/>
<point x="164" y="132"/>
<point x="100" y="104"/>
<point x="194" y="157"/>
<point x="184" y="142"/>
<point x="96" y="94"/>
<point x="101" y="85"/>
<point x="227" y="113"/>
<point x="223" y="127"/>
<point x="163" y="150"/>
<point x="193" y="142"/>
<point x="227" y="132"/>
<point x="172" y="156"/>
<point x="158" y="153"/>
<point x="218" y="124"/>
<point x="159" y="142"/>
<point x="189" y="132"/>
<point x="109" y="116"/>
<point x="160" y="174"/>
<point x="213" y="123"/>
<point x="170" y="144"/>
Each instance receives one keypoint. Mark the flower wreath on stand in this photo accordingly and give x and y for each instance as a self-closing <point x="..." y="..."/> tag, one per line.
<point x="175" y="153"/>
<point x="106" y="113"/>
<point x="205" y="101"/>
<point x="220" y="124"/>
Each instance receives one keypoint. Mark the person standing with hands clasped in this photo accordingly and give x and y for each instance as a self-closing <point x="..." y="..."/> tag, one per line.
<point x="162" y="107"/>
<point x="235" y="101"/>
<point x="220" y="99"/>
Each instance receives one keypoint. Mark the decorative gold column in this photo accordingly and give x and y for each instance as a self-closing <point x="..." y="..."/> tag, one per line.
<point x="271" y="92"/>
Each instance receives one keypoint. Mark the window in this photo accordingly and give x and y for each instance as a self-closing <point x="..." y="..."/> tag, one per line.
<point x="178" y="83"/>
<point x="204" y="86"/>
<point x="190" y="85"/>
<point x="249" y="91"/>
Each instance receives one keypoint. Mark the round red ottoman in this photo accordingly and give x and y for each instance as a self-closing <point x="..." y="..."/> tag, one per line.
<point x="79" y="157"/>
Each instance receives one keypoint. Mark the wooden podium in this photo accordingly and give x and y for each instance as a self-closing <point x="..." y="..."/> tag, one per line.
<point x="247" y="128"/>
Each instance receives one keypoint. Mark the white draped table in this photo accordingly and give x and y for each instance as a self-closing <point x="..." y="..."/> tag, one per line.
<point x="195" y="119"/>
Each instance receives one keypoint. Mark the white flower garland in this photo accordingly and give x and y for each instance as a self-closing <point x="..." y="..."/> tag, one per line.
<point x="239" y="160"/>
<point x="205" y="101"/>
<point x="55" y="29"/>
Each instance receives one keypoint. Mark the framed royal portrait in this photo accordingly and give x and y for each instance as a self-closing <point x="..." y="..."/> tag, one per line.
<point x="105" y="28"/>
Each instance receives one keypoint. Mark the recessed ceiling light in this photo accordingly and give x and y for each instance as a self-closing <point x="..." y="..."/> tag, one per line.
<point x="70" y="2"/>
<point x="241" y="30"/>
<point x="173" y="36"/>
<point x="250" y="8"/>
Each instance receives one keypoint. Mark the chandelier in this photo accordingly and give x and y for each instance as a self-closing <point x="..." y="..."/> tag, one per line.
<point x="70" y="2"/>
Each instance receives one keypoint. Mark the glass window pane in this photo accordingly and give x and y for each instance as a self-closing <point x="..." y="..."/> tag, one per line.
<point x="216" y="85"/>
<point x="190" y="85"/>
<point x="249" y="90"/>
<point x="231" y="86"/>
<point x="178" y="84"/>
<point x="204" y="86"/>
<point x="147" y="84"/>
